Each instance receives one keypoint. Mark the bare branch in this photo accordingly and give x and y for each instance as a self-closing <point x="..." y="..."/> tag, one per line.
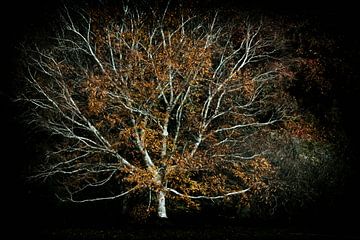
<point x="208" y="197"/>
<point x="101" y="198"/>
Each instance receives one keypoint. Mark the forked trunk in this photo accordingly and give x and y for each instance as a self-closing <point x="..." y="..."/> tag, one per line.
<point x="161" y="204"/>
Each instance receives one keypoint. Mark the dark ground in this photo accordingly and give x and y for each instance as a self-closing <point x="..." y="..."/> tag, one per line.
<point x="182" y="228"/>
<point x="30" y="212"/>
<point x="191" y="232"/>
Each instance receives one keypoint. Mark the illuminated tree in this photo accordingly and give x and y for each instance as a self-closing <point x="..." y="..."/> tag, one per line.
<point x="166" y="105"/>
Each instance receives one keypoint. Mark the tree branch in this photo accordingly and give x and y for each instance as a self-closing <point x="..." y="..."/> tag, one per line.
<point x="207" y="197"/>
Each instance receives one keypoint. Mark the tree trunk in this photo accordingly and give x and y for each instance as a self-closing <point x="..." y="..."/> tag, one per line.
<point x="161" y="204"/>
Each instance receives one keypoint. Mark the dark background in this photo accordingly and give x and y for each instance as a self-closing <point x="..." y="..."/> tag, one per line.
<point x="28" y="209"/>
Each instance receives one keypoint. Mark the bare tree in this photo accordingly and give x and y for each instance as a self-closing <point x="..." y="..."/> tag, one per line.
<point x="153" y="102"/>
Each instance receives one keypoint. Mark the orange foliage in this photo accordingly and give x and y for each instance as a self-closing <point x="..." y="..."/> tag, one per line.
<point x="164" y="95"/>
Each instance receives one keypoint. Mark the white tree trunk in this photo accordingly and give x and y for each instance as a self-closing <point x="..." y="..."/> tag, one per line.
<point x="161" y="204"/>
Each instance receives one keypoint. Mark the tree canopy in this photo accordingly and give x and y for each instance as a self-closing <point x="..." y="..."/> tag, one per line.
<point x="170" y="105"/>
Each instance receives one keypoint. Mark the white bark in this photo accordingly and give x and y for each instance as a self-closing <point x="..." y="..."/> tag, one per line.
<point x="161" y="210"/>
<point x="208" y="197"/>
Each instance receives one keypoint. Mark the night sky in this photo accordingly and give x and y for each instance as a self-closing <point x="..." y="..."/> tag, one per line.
<point x="22" y="18"/>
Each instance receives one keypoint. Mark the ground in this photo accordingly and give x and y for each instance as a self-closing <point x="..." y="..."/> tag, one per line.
<point x="193" y="227"/>
<point x="190" y="232"/>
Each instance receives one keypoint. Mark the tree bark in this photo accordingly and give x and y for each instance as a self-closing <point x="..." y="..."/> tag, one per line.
<point x="161" y="204"/>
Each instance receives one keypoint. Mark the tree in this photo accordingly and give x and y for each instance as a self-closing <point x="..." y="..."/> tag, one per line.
<point x="155" y="103"/>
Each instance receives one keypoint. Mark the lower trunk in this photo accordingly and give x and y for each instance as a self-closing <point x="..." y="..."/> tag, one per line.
<point x="161" y="204"/>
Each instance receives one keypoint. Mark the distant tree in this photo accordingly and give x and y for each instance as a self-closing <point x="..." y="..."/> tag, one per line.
<point x="169" y="105"/>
